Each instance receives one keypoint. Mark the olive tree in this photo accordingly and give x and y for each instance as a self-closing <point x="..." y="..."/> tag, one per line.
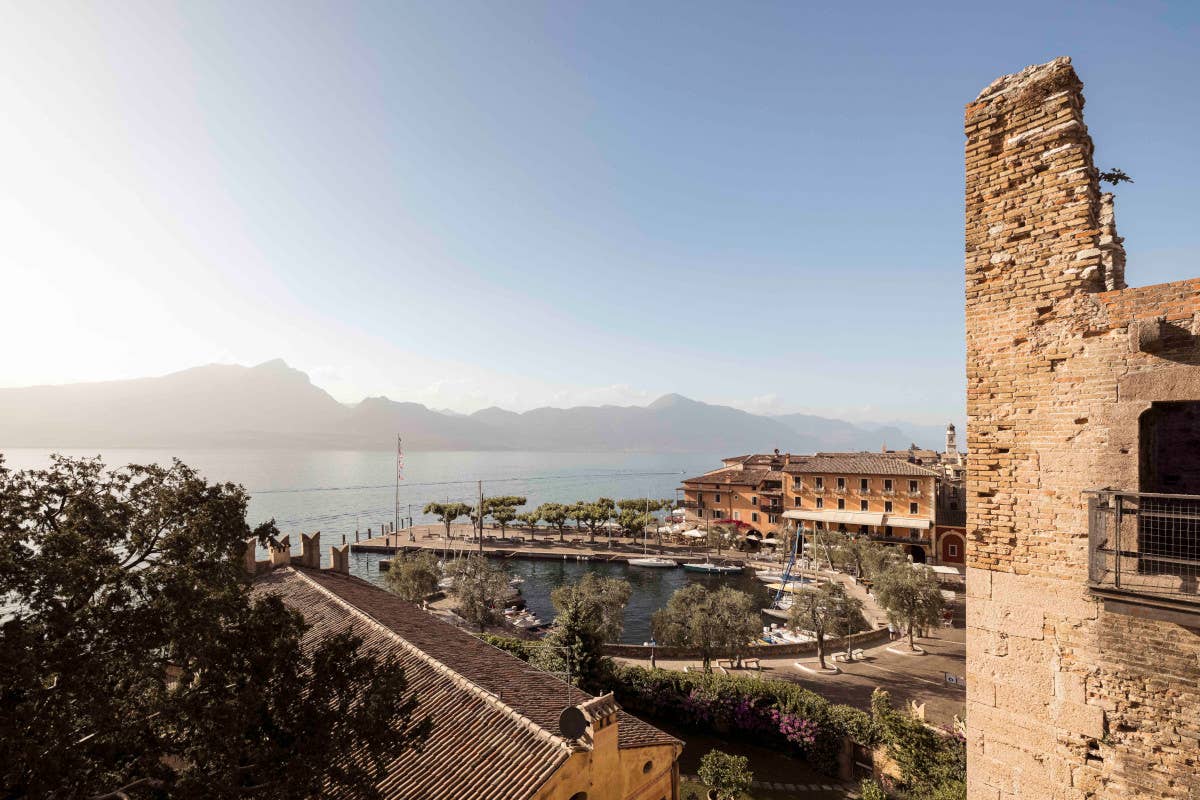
<point x="413" y="576"/>
<point x="447" y="513"/>
<point x="911" y="596"/>
<point x="714" y="622"/>
<point x="823" y="611"/>
<point x="479" y="590"/>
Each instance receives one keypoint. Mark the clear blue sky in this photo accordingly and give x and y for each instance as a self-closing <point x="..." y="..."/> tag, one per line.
<point x="545" y="203"/>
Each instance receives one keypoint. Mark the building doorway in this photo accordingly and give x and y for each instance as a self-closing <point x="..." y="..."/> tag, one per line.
<point x="917" y="552"/>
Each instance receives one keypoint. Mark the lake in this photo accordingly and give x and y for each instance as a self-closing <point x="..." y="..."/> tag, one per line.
<point x="338" y="492"/>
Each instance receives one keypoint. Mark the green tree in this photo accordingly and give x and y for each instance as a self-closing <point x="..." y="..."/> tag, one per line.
<point x="556" y="515"/>
<point x="590" y="613"/>
<point x="729" y="776"/>
<point x="720" y="622"/>
<point x="135" y="661"/>
<point x="824" y="611"/>
<point x="413" y="576"/>
<point x="911" y="596"/>
<point x="634" y="521"/>
<point x="596" y="516"/>
<point x="933" y="765"/>
<point x="479" y="589"/>
<point x="530" y="520"/>
<point x="502" y="509"/>
<point x="879" y="558"/>
<point x="579" y="511"/>
<point x="447" y="513"/>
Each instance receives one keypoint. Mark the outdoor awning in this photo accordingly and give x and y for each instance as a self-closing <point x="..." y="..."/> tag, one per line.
<point x="693" y="534"/>
<point x="840" y="517"/>
<point x="907" y="522"/>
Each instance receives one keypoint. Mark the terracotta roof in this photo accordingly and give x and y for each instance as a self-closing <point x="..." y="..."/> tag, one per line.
<point x="495" y="718"/>
<point x="734" y="476"/>
<point x="856" y="464"/>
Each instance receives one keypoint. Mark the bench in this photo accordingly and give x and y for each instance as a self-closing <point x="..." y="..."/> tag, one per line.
<point x="752" y="663"/>
<point x="725" y="662"/>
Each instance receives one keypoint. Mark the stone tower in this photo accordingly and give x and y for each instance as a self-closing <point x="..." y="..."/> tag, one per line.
<point x="1083" y="618"/>
<point x="951" y="443"/>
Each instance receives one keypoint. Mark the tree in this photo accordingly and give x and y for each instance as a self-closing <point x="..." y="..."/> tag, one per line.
<point x="823" y="611"/>
<point x="633" y="521"/>
<point x="879" y="558"/>
<point x="911" y="596"/>
<point x="579" y="512"/>
<point x="136" y="662"/>
<point x="413" y="576"/>
<point x="590" y="613"/>
<point x="448" y="512"/>
<point x="556" y="515"/>
<point x="596" y="516"/>
<point x="729" y="776"/>
<point x="479" y="590"/>
<point x="531" y="519"/>
<point x="503" y="509"/>
<point x="720" y="622"/>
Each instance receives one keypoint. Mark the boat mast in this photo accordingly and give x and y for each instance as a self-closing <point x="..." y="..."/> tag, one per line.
<point x="399" y="477"/>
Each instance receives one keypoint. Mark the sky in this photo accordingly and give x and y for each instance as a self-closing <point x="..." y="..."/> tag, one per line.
<point x="521" y="204"/>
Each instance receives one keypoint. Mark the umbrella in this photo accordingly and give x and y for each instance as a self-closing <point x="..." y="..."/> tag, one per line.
<point x="695" y="534"/>
<point x="754" y="537"/>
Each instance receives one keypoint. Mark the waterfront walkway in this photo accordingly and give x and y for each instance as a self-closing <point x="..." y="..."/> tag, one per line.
<point x="544" y="544"/>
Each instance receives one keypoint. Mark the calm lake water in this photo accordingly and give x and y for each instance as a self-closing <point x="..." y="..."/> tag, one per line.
<point x="338" y="492"/>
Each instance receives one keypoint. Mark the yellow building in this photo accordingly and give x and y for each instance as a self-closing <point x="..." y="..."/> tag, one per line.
<point x="502" y="730"/>
<point x="887" y="496"/>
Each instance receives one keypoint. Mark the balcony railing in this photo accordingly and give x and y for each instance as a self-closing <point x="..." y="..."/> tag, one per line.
<point x="1145" y="545"/>
<point x="692" y="504"/>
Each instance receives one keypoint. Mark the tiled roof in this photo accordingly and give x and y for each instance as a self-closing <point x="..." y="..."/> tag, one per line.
<point x="735" y="476"/>
<point x="856" y="464"/>
<point x="495" y="718"/>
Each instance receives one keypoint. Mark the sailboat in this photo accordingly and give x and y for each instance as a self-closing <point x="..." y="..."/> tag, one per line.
<point x="713" y="569"/>
<point x="648" y="560"/>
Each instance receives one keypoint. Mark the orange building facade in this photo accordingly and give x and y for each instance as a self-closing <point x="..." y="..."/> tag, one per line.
<point x="882" y="495"/>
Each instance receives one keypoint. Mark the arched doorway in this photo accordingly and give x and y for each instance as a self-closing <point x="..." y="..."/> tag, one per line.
<point x="918" y="553"/>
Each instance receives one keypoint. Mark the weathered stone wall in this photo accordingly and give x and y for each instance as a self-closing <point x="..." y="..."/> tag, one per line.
<point x="1065" y="698"/>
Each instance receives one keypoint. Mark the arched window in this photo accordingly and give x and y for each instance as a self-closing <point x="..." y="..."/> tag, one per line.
<point x="649" y="765"/>
<point x="579" y="796"/>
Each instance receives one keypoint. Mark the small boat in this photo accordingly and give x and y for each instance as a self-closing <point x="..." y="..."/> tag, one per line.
<point x="446" y="583"/>
<point x="713" y="569"/>
<point x="779" y="609"/>
<point x="652" y="561"/>
<point x="517" y="581"/>
<point x="770" y="577"/>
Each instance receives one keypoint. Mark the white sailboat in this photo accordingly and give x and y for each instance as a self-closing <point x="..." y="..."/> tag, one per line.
<point x="648" y="560"/>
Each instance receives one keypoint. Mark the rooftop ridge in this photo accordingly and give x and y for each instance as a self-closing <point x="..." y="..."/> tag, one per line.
<point x="455" y="677"/>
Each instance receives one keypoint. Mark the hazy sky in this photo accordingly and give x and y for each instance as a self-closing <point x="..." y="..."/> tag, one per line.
<point x="521" y="203"/>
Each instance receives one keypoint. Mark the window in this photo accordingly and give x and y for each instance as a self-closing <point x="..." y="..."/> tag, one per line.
<point x="887" y="530"/>
<point x="862" y="504"/>
<point x="818" y="483"/>
<point x="912" y="508"/>
<point x="649" y="765"/>
<point x="841" y="484"/>
<point x="699" y="497"/>
<point x="797" y="484"/>
<point x="718" y="499"/>
<point x="841" y="503"/>
<point x="753" y="501"/>
<point x="754" y="517"/>
<point x="772" y="518"/>
<point x="864" y="484"/>
<point x="797" y="502"/>
<point x="887" y="506"/>
<point x="912" y="486"/>
<point x="820" y="502"/>
<point x="887" y="484"/>
<point x="737" y="515"/>
<point x="952" y="549"/>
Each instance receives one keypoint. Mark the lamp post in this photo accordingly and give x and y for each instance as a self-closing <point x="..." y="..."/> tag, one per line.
<point x="651" y="644"/>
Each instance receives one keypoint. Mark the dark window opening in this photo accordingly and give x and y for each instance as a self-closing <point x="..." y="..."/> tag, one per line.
<point x="1168" y="529"/>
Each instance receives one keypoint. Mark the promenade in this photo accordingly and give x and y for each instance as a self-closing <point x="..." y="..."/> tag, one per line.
<point x="542" y="544"/>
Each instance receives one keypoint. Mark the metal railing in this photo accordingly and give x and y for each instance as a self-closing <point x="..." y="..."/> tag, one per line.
<point x="1145" y="544"/>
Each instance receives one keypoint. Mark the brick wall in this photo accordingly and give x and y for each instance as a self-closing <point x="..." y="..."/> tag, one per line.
<point x="1066" y="698"/>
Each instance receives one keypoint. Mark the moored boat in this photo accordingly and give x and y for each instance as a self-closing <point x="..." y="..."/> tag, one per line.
<point x="652" y="561"/>
<point x="714" y="569"/>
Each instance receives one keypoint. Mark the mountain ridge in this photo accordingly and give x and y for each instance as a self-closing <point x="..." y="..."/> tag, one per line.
<point x="275" y="405"/>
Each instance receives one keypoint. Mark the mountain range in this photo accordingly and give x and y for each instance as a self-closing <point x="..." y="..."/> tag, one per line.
<point x="274" y="405"/>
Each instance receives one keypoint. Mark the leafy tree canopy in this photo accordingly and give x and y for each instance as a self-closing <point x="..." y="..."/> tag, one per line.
<point x="480" y="589"/>
<point x="729" y="776"/>
<point x="135" y="662"/>
<point x="717" y="622"/>
<point x="911" y="596"/>
<point x="414" y="576"/>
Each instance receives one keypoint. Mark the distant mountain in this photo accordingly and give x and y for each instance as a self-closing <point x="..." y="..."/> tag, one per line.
<point x="274" y="405"/>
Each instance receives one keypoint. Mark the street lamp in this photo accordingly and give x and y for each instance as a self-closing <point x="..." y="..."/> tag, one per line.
<point x="651" y="644"/>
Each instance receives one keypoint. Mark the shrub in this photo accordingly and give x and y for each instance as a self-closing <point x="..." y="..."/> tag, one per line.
<point x="870" y="790"/>
<point x="728" y="775"/>
<point x="517" y="647"/>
